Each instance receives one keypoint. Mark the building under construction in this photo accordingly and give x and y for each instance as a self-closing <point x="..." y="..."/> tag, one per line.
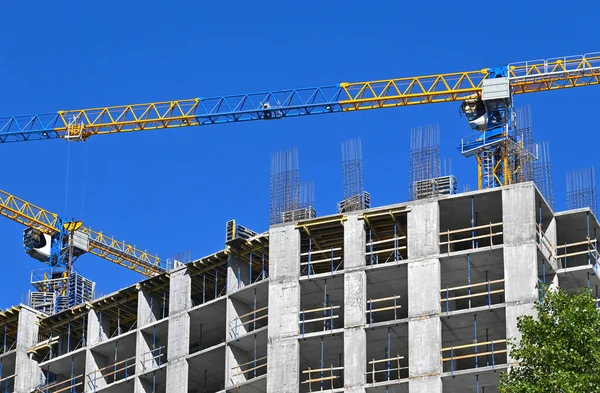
<point x="418" y="296"/>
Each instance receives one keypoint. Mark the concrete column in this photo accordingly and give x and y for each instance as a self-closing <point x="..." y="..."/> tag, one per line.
<point x="424" y="281"/>
<point x="520" y="255"/>
<point x="27" y="370"/>
<point x="97" y="331"/>
<point x="355" y="300"/>
<point x="180" y="301"/>
<point x="238" y="274"/>
<point x="144" y="310"/>
<point x="283" y="348"/>
<point x="98" y="326"/>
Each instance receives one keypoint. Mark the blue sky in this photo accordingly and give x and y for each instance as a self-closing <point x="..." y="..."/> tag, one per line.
<point x="174" y="190"/>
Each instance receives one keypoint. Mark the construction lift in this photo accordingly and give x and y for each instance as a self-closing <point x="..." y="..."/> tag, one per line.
<point x="58" y="243"/>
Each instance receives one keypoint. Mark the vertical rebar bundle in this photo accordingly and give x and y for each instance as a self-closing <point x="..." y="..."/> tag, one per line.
<point x="307" y="195"/>
<point x="523" y="154"/>
<point x="424" y="156"/>
<point x="581" y="189"/>
<point x="542" y="173"/>
<point x="352" y="168"/>
<point x="355" y="197"/>
<point x="290" y="199"/>
<point x="285" y="184"/>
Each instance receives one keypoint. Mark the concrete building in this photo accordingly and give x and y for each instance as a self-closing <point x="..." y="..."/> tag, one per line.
<point x="414" y="297"/>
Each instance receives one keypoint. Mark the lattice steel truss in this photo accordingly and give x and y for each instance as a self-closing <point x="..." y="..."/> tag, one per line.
<point x="542" y="173"/>
<point x="581" y="189"/>
<point x="424" y="157"/>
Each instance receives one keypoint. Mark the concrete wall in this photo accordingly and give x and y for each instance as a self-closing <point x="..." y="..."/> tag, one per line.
<point x="27" y="370"/>
<point x="283" y="348"/>
<point x="520" y="254"/>
<point x="355" y="301"/>
<point x="424" y="280"/>
<point x="180" y="302"/>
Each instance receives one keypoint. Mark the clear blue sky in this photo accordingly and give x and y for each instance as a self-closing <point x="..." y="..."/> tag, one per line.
<point x="169" y="191"/>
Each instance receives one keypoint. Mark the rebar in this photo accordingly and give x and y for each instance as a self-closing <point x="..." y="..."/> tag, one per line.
<point x="285" y="184"/>
<point x="290" y="199"/>
<point x="542" y="173"/>
<point x="523" y="152"/>
<point x="581" y="189"/>
<point x="355" y="197"/>
<point x="352" y="168"/>
<point x="424" y="156"/>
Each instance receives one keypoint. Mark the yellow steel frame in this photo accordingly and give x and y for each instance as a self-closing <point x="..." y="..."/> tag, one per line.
<point x="526" y="77"/>
<point x="27" y="214"/>
<point x="554" y="74"/>
<point x="412" y="91"/>
<point x="127" y="118"/>
<point x="101" y="245"/>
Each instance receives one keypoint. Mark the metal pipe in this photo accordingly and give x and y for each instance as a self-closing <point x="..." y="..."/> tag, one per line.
<point x="469" y="277"/>
<point x="203" y="288"/>
<point x="475" y="337"/>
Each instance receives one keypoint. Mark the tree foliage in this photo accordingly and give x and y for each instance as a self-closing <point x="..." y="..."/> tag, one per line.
<point x="559" y="350"/>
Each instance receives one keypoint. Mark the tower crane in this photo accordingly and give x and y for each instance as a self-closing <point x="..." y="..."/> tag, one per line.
<point x="486" y="97"/>
<point x="58" y="242"/>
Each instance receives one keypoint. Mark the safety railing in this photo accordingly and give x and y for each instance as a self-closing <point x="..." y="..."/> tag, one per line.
<point x="153" y="359"/>
<point x="568" y="253"/>
<point x="327" y="260"/>
<point x="327" y="319"/>
<point x="62" y="386"/>
<point x="45" y="342"/>
<point x="383" y="304"/>
<point x="250" y="370"/>
<point x="579" y="64"/>
<point x="385" y="251"/>
<point x="126" y="367"/>
<point x="325" y="376"/>
<point x="475" y="292"/>
<point x="248" y="320"/>
<point x="476" y="237"/>
<point x="7" y="383"/>
<point x="390" y="368"/>
<point x="544" y="245"/>
<point x="469" y="355"/>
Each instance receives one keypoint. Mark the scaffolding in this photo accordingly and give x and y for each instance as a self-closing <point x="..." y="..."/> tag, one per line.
<point x="355" y="196"/>
<point x="542" y="174"/>
<point x="424" y="157"/>
<point x="58" y="290"/>
<point x="290" y="200"/>
<point x="581" y="189"/>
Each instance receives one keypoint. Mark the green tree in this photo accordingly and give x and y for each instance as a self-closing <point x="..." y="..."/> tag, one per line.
<point x="560" y="348"/>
